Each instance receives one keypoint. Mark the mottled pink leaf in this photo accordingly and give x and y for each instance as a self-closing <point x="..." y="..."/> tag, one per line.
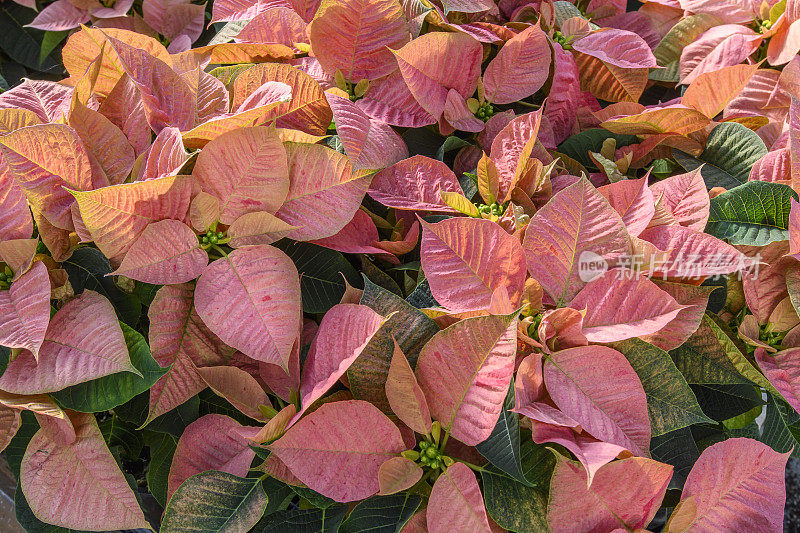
<point x="357" y="36"/>
<point x="175" y="18"/>
<point x="389" y="100"/>
<point x="465" y="371"/>
<point x="212" y="442"/>
<point x="623" y="493"/>
<point x="520" y="68"/>
<point x="633" y="201"/>
<point x="264" y="282"/>
<point x="576" y="221"/>
<point x="83" y="342"/>
<point x="737" y="485"/>
<point x="456" y="503"/>
<point x="562" y="104"/>
<point x="686" y="197"/>
<point x="358" y="237"/>
<point x="466" y="259"/>
<point x="405" y="395"/>
<point x="690" y="253"/>
<point x="721" y="46"/>
<point x="324" y="193"/>
<point x="257" y="228"/>
<point x="25" y="310"/>
<point x="80" y="485"/>
<point x="49" y="100"/>
<point x="458" y="116"/>
<point x="726" y="11"/>
<point x="165" y="156"/>
<point x="511" y="149"/>
<point x="276" y="25"/>
<point x="622" y="304"/>
<point x="677" y="331"/>
<point x="104" y="142"/>
<point x="246" y="170"/>
<point x="123" y="106"/>
<point x="783" y="371"/>
<point x="15" y="217"/>
<point x="415" y="184"/>
<point x="59" y="16"/>
<point x="577" y="380"/>
<point x="368" y="143"/>
<point x="344" y="332"/>
<point x="338" y="449"/>
<point x="620" y="48"/>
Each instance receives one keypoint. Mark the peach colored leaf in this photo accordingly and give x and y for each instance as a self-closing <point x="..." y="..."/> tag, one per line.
<point x="624" y="493"/>
<point x="465" y="371"/>
<point x="610" y="82"/>
<point x="727" y="11"/>
<point x="356" y="36"/>
<point x="212" y="442"/>
<point x="257" y="228"/>
<point x="14" y="118"/>
<point x="620" y="48"/>
<point x="165" y="156"/>
<point x="123" y="106"/>
<point x="712" y="91"/>
<point x="344" y="332"/>
<point x="168" y="100"/>
<point x="264" y="282"/>
<point x="633" y="201"/>
<point x="338" y="449"/>
<point x="174" y="18"/>
<point x="368" y="143"/>
<point x="782" y="370"/>
<point x="43" y="160"/>
<point x="692" y="254"/>
<point x="389" y="100"/>
<point x="324" y="194"/>
<point x="415" y="184"/>
<point x="25" y="310"/>
<point x="576" y="221"/>
<point x="246" y="170"/>
<point x="688" y="320"/>
<point x="466" y="259"/>
<point x="511" y="150"/>
<point x="10" y="423"/>
<point x="104" y="141"/>
<point x="85" y="46"/>
<point x="436" y="62"/>
<point x="115" y="216"/>
<point x="308" y="110"/>
<point x="721" y="46"/>
<point x="179" y="340"/>
<point x="520" y="68"/>
<point x="276" y="425"/>
<point x="15" y="217"/>
<point x="166" y="252"/>
<point x="204" y="212"/>
<point x="667" y="119"/>
<point x="398" y="474"/>
<point x="78" y="485"/>
<point x="592" y="454"/>
<point x="577" y="380"/>
<point x="84" y="341"/>
<point x="275" y="25"/>
<point x="456" y="503"/>
<point x="18" y="254"/>
<point x="61" y="15"/>
<point x="405" y="395"/>
<point x="686" y="197"/>
<point x="50" y="101"/>
<point x="238" y="53"/>
<point x="239" y="388"/>
<point x="622" y="304"/>
<point x="737" y="484"/>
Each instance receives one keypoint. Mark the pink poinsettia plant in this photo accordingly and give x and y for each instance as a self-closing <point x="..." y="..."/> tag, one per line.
<point x="401" y="265"/>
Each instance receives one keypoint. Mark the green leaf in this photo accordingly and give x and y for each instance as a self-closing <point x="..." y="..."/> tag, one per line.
<point x="313" y="497"/>
<point x="578" y="146"/>
<point x="87" y="268"/>
<point x="174" y="422"/>
<point x="515" y="506"/>
<point x="381" y="514"/>
<point x="21" y="44"/>
<point x="303" y="521"/>
<point x="50" y="41"/>
<point x="671" y="404"/>
<point x="705" y="358"/>
<point x="145" y="292"/>
<point x="450" y="144"/>
<point x="722" y="402"/>
<point x="19" y="443"/>
<point x="214" y="502"/>
<point x="676" y="448"/>
<point x="729" y="155"/>
<point x="781" y="428"/>
<point x="162" y="449"/>
<point x="279" y="493"/>
<point x="502" y="447"/>
<point x="756" y="213"/>
<point x="111" y="391"/>
<point x="321" y="282"/>
<point x="228" y="31"/>
<point x="409" y="326"/>
<point x="122" y="436"/>
<point x="668" y="52"/>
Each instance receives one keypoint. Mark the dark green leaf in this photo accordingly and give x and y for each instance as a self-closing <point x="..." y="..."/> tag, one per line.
<point x="422" y="296"/>
<point x="123" y="436"/>
<point x="502" y="447"/>
<point x="722" y="402"/>
<point x="16" y="448"/>
<point x="671" y="404"/>
<point x="381" y="514"/>
<point x="729" y="155"/>
<point x="87" y="268"/>
<point x="781" y="428"/>
<point x="173" y="422"/>
<point x="214" y="502"/>
<point x="515" y="506"/>
<point x="162" y="448"/>
<point x="314" y="498"/>
<point x="145" y="292"/>
<point x="50" y="40"/>
<point x="321" y="283"/>
<point x="409" y="326"/>
<point x="676" y="448"/>
<point x="279" y="494"/>
<point x="451" y="143"/>
<point x="303" y="521"/>
<point x="111" y="391"/>
<point x="21" y="44"/>
<point x="378" y="276"/>
<point x="756" y="213"/>
<point x="578" y="146"/>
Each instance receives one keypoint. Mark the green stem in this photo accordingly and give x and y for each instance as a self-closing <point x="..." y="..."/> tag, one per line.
<point x="472" y="466"/>
<point x="219" y="250"/>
